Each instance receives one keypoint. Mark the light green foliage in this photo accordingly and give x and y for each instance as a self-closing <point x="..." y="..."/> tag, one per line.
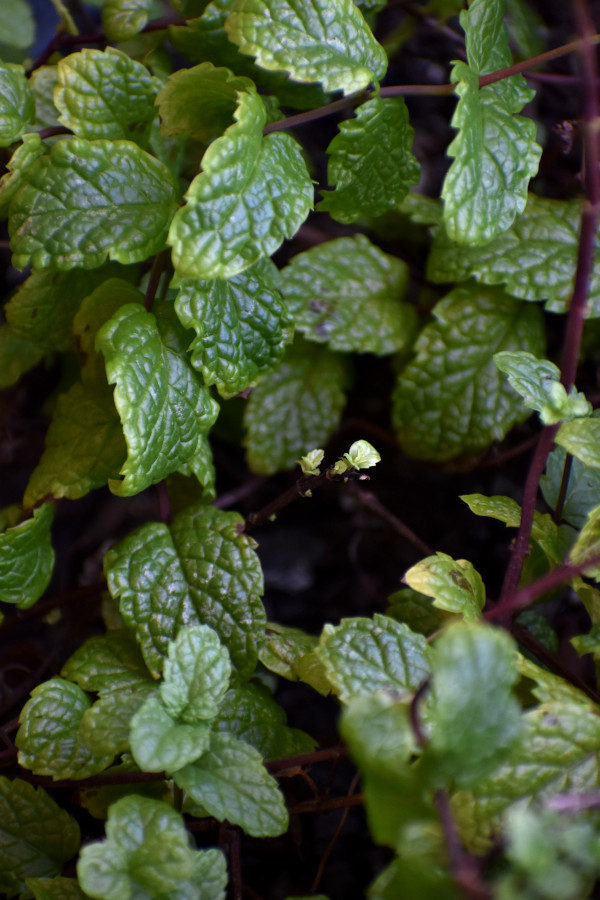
<point x="315" y="40"/>
<point x="84" y="446"/>
<point x="362" y="455"/>
<point x="242" y="326"/>
<point x="296" y="405"/>
<point x="197" y="571"/>
<point x="106" y="725"/>
<point x="347" y="293"/>
<point x="200" y="101"/>
<point x="310" y="462"/>
<point x="57" y="888"/>
<point x="147" y="853"/>
<point x="17" y="106"/>
<point x="160" y="743"/>
<point x="291" y="653"/>
<point x="450" y="400"/>
<point x="416" y="610"/>
<point x="228" y="224"/>
<point x="587" y="544"/>
<point x="251" y="714"/>
<point x="88" y="200"/>
<point x="36" y="835"/>
<point x="26" y="555"/>
<point x="230" y="782"/>
<point x="474" y="719"/>
<point x="109" y="662"/>
<point x="371" y="163"/>
<point x="42" y="83"/>
<point x="196" y="675"/>
<point x="164" y="410"/>
<point x="105" y="94"/>
<point x="43" y="307"/>
<point x="49" y="738"/>
<point x="364" y="656"/>
<point x="123" y="19"/>
<point x="454" y="585"/>
<point x="544" y="531"/>
<point x="17" y="26"/>
<point x="588" y="643"/>
<point x="494" y="152"/>
<point x="538" y="383"/>
<point x="17" y="356"/>
<point x="534" y="259"/>
<point x="583" y="489"/>
<point x="581" y="438"/>
<point x="24" y="156"/>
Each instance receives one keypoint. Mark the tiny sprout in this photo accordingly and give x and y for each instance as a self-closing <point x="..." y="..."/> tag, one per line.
<point x="563" y="407"/>
<point x="311" y="461"/>
<point x="362" y="455"/>
<point x="340" y="467"/>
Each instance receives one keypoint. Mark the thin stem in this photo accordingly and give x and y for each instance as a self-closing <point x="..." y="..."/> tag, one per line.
<point x="551" y="662"/>
<point x="371" y="502"/>
<point x="316" y="806"/>
<point x="41" y="608"/>
<point x="465" y="868"/>
<point x="306" y="759"/>
<point x="158" y="266"/>
<point x="334" y="836"/>
<point x="562" y="491"/>
<point x="53" y="131"/>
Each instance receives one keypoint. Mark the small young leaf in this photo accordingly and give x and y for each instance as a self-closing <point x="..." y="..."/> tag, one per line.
<point x="230" y="782"/>
<point x="347" y="293"/>
<point x="588" y="544"/>
<point x="108" y="662"/>
<point x="200" y="101"/>
<point x="366" y="656"/>
<point x="17" y="106"/>
<point x="36" y="836"/>
<point x="49" y="741"/>
<point x="17" y="25"/>
<point x="538" y="383"/>
<point x="581" y="438"/>
<point x="371" y="163"/>
<point x="583" y="489"/>
<point x="495" y="153"/>
<point x="196" y="675"/>
<point x="454" y="584"/>
<point x="198" y="571"/>
<point x="290" y="653"/>
<point x="544" y="532"/>
<point x="106" y="725"/>
<point x="24" y="156"/>
<point x="164" y="409"/>
<point x="147" y="853"/>
<point x="294" y="407"/>
<point x="362" y="455"/>
<point x="26" y="555"/>
<point x="450" y="400"/>
<point x="123" y="19"/>
<point x="474" y="719"/>
<point x="84" y="446"/>
<point x="105" y="94"/>
<point x="159" y="743"/>
<point x="242" y="326"/>
<point x="226" y="226"/>
<point x="89" y="200"/>
<point x="314" y="40"/>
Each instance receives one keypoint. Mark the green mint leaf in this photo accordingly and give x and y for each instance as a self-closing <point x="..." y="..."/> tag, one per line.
<point x="196" y="675"/>
<point x="42" y="83"/>
<point x="226" y="226"/>
<point x="242" y="326"/>
<point x="106" y="725"/>
<point x="378" y="733"/>
<point x="347" y="293"/>
<point x="164" y="409"/>
<point x="159" y="743"/>
<point x="450" y="400"/>
<point x="17" y="25"/>
<point x="123" y="19"/>
<point x="309" y="381"/>
<point x="17" y="106"/>
<point x="147" y="853"/>
<point x="43" y="307"/>
<point x="544" y="531"/>
<point x="588" y="544"/>
<point x="365" y="656"/>
<point x="84" y="446"/>
<point x="58" y="888"/>
<point x="371" y="163"/>
<point x="494" y="151"/>
<point x="88" y="200"/>
<point x="105" y="94"/>
<point x="538" y="383"/>
<point x="24" y="156"/>
<point x="581" y="438"/>
<point x="290" y="653"/>
<point x="315" y="40"/>
<point x="49" y="741"/>
<point x="534" y="259"/>
<point x="583" y="489"/>
<point x="17" y="356"/>
<point x="453" y="584"/>
<point x="525" y="27"/>
<point x="475" y="720"/>
<point x="198" y="571"/>
<point x="231" y="783"/>
<point x="108" y="662"/>
<point x="200" y="101"/>
<point x="98" y="799"/>
<point x="36" y="836"/>
<point x="416" y="611"/>
<point x="26" y="555"/>
<point x="251" y="714"/>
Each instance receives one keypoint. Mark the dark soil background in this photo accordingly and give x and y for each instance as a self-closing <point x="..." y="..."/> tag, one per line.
<point x="331" y="556"/>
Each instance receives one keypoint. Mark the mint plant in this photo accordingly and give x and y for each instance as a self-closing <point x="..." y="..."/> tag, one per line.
<point x="240" y="274"/>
